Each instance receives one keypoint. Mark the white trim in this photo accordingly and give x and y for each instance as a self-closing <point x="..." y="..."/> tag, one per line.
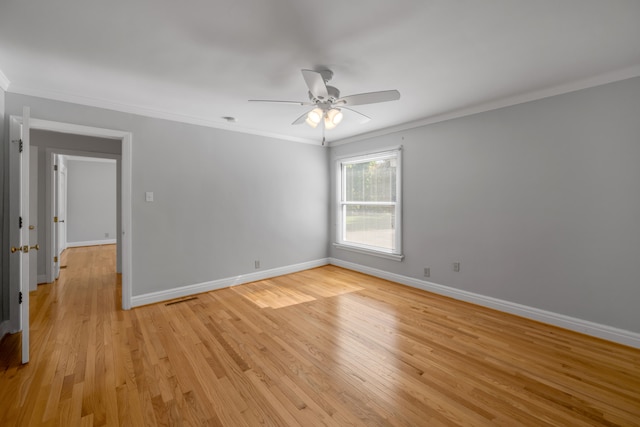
<point x="76" y="129"/>
<point x="89" y="159"/>
<point x="340" y="203"/>
<point x="369" y="153"/>
<point x="602" y="79"/>
<point x="42" y="278"/>
<point x="199" y="288"/>
<point x="372" y="252"/>
<point x="4" y="82"/>
<point x="609" y="333"/>
<point x="126" y="222"/>
<point x="158" y="114"/>
<point x="91" y="243"/>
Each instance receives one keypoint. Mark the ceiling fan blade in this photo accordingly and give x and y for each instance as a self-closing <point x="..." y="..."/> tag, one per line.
<point x="363" y="118"/>
<point x="369" y="98"/>
<point x="316" y="84"/>
<point x="282" y="102"/>
<point x="300" y="119"/>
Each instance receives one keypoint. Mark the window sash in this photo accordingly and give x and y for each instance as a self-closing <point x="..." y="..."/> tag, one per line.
<point x="395" y="247"/>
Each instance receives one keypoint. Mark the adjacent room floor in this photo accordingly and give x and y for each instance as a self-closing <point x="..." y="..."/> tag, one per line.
<point x="325" y="346"/>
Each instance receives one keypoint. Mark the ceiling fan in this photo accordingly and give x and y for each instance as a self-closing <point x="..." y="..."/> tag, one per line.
<point x="327" y="103"/>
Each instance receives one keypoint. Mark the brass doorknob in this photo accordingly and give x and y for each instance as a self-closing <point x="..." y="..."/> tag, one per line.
<point x="14" y="249"/>
<point x="36" y="247"/>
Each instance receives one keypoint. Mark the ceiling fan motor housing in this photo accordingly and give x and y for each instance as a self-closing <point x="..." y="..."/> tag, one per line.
<point x="334" y="95"/>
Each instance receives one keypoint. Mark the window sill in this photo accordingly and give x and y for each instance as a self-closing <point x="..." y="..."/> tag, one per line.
<point x="394" y="257"/>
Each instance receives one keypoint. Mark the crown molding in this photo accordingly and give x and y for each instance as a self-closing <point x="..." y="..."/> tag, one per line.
<point x="623" y="74"/>
<point x="149" y="112"/>
<point x="4" y="82"/>
<point x="601" y="79"/>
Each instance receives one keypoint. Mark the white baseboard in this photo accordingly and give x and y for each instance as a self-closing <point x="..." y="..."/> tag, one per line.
<point x="183" y="291"/>
<point x="91" y="243"/>
<point x="42" y="278"/>
<point x="608" y="333"/>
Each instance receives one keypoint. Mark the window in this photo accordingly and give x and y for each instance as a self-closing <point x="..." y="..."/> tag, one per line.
<point x="369" y="214"/>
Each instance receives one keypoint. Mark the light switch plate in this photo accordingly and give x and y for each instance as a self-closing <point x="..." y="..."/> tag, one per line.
<point x="149" y="196"/>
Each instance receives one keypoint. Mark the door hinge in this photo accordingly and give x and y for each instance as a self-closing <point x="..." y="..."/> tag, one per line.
<point x="55" y="219"/>
<point x="55" y="167"/>
<point x="19" y="222"/>
<point x="20" y="298"/>
<point x="55" y="259"/>
<point x="20" y="146"/>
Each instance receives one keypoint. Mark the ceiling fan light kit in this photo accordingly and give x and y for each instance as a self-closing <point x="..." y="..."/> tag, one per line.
<point x="326" y="101"/>
<point x="330" y="117"/>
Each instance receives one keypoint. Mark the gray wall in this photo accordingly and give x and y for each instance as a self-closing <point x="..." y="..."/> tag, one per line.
<point x="91" y="200"/>
<point x="4" y="261"/>
<point x="222" y="199"/>
<point x="540" y="203"/>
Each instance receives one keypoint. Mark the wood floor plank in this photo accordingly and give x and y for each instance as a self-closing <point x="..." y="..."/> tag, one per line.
<point x="326" y="346"/>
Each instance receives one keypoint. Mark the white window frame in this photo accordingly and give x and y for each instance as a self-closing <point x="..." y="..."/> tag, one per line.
<point x="395" y="254"/>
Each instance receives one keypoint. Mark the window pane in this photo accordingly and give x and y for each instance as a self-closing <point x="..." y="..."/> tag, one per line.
<point x="370" y="225"/>
<point x="370" y="181"/>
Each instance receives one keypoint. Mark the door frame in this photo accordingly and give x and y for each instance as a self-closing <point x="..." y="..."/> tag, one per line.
<point x="52" y="269"/>
<point x="126" y="139"/>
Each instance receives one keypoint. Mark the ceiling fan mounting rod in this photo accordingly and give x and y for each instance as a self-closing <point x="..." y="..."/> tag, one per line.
<point x="327" y="75"/>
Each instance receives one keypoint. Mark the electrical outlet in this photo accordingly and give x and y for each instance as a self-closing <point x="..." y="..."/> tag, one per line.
<point x="427" y="272"/>
<point x="456" y="267"/>
<point x="257" y="264"/>
<point x="106" y="234"/>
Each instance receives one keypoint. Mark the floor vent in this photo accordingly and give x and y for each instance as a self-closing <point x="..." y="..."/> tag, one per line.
<point x="182" y="300"/>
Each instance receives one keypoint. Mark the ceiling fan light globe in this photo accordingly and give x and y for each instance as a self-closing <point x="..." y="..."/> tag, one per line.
<point x="314" y="117"/>
<point x="333" y="117"/>
<point x="310" y="123"/>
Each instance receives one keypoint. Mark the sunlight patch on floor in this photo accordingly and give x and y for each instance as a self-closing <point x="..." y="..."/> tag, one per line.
<point x="267" y="293"/>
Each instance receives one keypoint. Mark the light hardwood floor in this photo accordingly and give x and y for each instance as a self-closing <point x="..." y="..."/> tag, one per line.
<point x="322" y="347"/>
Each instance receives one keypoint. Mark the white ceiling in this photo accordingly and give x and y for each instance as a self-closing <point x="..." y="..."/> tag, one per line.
<point x="199" y="60"/>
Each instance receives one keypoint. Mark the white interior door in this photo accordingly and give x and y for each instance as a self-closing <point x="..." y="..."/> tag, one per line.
<point x="19" y="150"/>
<point x="55" y="202"/>
<point x="62" y="208"/>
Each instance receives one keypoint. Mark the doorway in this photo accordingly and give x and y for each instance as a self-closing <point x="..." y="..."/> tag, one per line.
<point x="19" y="197"/>
<point x="85" y="202"/>
<point x="123" y="237"/>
